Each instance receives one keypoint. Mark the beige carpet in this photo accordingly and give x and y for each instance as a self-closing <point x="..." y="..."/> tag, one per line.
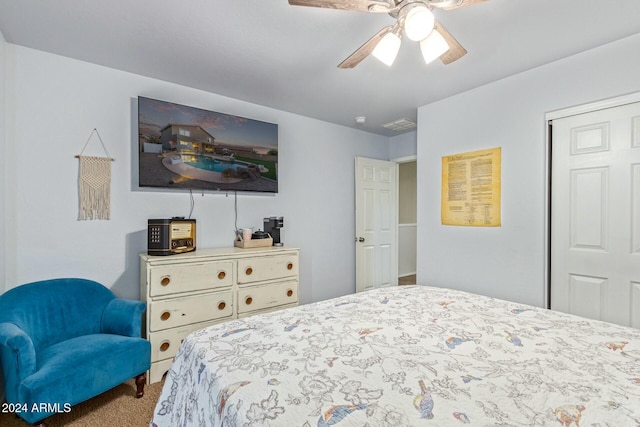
<point x="116" y="407"/>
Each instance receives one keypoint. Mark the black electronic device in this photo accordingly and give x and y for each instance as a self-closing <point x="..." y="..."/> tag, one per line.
<point x="192" y="142"/>
<point x="273" y="225"/>
<point x="171" y="236"/>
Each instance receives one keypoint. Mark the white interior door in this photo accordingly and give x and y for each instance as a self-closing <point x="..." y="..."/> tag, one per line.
<point x="376" y="221"/>
<point x="595" y="215"/>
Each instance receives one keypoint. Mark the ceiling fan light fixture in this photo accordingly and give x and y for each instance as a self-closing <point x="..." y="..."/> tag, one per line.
<point x="433" y="47"/>
<point x="387" y="49"/>
<point x="419" y="22"/>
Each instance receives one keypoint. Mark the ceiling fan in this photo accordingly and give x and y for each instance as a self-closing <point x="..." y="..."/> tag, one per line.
<point x="415" y="17"/>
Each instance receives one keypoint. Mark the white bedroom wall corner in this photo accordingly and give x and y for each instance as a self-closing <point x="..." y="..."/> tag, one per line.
<point x="507" y="262"/>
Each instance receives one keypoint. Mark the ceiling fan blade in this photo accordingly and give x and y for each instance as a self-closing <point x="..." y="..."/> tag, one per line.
<point x="365" y="50"/>
<point x="359" y="5"/>
<point x="456" y="51"/>
<point x="463" y="3"/>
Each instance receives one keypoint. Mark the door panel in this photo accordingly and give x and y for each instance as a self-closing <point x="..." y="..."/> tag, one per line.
<point x="589" y="194"/>
<point x="367" y="269"/>
<point x="386" y="206"/>
<point x="635" y="209"/>
<point x="586" y="295"/>
<point x="368" y="212"/>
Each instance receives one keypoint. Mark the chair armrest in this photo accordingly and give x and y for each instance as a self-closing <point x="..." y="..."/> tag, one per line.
<point x="123" y="317"/>
<point x="17" y="358"/>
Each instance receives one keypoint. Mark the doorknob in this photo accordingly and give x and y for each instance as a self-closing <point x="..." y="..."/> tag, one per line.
<point x="360" y="239"/>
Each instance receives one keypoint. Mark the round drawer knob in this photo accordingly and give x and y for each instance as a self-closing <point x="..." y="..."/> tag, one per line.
<point x="289" y="293"/>
<point x="290" y="266"/>
<point x="222" y="305"/>
<point x="165" y="281"/>
<point x="248" y="301"/>
<point x="165" y="315"/>
<point x="221" y="275"/>
<point x="165" y="346"/>
<point x="248" y="271"/>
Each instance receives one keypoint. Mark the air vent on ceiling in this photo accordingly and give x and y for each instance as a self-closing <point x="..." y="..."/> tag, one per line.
<point x="400" y="125"/>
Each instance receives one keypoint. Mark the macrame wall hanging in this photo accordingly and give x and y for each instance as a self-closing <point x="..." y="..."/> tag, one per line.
<point x="94" y="184"/>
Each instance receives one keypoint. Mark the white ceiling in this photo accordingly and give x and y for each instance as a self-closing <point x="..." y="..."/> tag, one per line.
<point x="270" y="53"/>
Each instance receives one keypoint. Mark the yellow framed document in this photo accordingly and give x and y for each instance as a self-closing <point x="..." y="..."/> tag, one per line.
<point x="471" y="188"/>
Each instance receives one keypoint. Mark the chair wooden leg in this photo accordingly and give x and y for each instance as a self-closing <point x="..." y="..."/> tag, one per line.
<point x="141" y="380"/>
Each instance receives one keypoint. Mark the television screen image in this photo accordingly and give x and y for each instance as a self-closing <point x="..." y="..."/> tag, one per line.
<point x="189" y="148"/>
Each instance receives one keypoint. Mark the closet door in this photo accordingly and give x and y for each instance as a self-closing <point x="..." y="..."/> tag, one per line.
<point x="595" y="215"/>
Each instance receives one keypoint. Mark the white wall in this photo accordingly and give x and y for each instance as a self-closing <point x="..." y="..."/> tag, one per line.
<point x="3" y="170"/>
<point x="3" y="164"/>
<point x="403" y="145"/>
<point x="55" y="102"/>
<point x="507" y="262"/>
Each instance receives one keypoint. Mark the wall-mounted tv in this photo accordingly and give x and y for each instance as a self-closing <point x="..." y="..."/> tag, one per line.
<point x="189" y="148"/>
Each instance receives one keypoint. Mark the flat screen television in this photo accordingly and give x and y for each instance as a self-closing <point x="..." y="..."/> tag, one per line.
<point x="189" y="148"/>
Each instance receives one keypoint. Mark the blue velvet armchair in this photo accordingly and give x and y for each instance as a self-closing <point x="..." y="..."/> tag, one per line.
<point x="64" y="341"/>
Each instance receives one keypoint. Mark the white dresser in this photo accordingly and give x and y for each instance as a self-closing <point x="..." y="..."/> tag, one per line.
<point x="190" y="291"/>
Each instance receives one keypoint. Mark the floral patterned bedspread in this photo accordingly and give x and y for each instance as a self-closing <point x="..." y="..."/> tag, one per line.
<point x="406" y="356"/>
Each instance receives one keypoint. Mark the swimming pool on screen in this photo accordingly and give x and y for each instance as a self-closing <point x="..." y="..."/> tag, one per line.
<point x="211" y="164"/>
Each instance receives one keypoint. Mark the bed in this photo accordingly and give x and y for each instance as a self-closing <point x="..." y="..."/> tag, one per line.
<point x="406" y="356"/>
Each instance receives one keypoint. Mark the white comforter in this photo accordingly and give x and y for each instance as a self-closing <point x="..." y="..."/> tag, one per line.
<point x="406" y="356"/>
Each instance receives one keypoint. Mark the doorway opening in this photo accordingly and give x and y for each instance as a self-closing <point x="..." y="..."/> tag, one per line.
<point x="407" y="220"/>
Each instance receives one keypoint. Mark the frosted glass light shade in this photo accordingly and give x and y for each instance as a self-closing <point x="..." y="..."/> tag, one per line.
<point x="419" y="23"/>
<point x="387" y="49"/>
<point x="433" y="46"/>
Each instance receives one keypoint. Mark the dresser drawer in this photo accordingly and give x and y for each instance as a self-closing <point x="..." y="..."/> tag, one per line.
<point x="267" y="268"/>
<point x="165" y="344"/>
<point x="266" y="310"/>
<point x="171" y="279"/>
<point x="251" y="298"/>
<point x="183" y="311"/>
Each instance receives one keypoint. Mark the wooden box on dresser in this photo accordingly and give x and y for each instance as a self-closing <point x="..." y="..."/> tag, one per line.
<point x="190" y="291"/>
